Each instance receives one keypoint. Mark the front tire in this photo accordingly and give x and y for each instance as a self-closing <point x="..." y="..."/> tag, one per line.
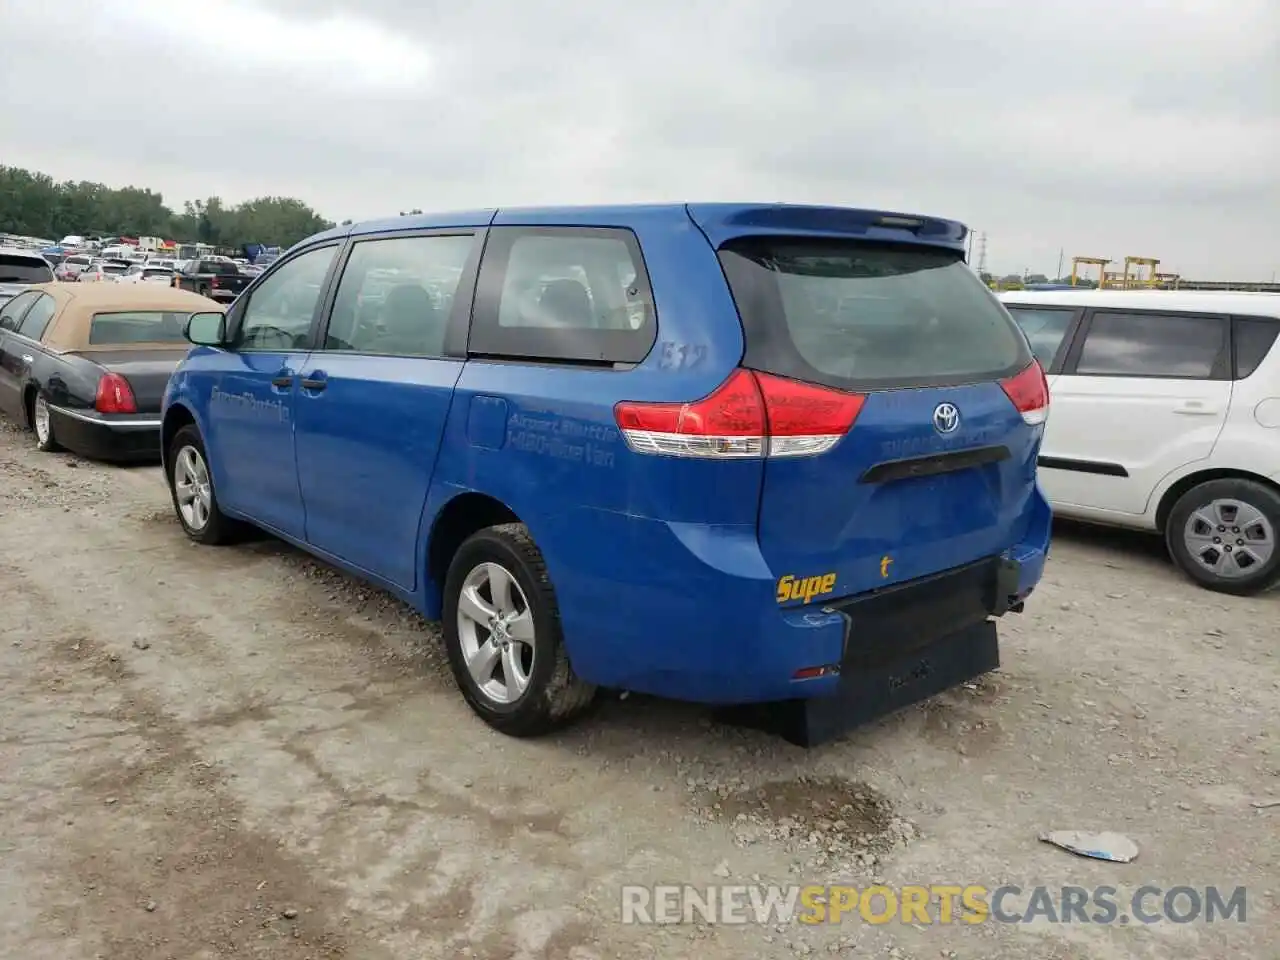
<point x="191" y="488"/>
<point x="502" y="633"/>
<point x="42" y="426"/>
<point x="1223" y="534"/>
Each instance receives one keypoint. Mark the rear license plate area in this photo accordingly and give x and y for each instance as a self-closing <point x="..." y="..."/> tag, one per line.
<point x="887" y="626"/>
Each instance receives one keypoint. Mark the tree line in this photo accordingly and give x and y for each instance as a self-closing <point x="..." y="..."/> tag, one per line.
<point x="34" y="204"/>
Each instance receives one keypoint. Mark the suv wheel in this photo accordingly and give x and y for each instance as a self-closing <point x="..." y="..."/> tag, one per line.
<point x="502" y="633"/>
<point x="1223" y="535"/>
<point x="42" y="425"/>
<point x="191" y="486"/>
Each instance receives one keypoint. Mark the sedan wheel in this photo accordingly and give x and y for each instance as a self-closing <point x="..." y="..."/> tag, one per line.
<point x="192" y="489"/>
<point x="42" y="423"/>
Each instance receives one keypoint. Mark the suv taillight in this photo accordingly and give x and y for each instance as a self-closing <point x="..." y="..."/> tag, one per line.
<point x="114" y="395"/>
<point x="749" y="415"/>
<point x="1029" y="392"/>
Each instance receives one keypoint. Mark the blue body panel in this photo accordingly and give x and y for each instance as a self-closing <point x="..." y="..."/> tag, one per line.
<point x="366" y="447"/>
<point x="665" y="568"/>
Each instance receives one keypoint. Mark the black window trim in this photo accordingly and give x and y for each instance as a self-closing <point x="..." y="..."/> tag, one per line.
<point x="605" y="349"/>
<point x="39" y="337"/>
<point x="455" y="339"/>
<point x="1068" y="336"/>
<point x="17" y="320"/>
<point x="1254" y="318"/>
<point x="235" y="316"/>
<point x="1222" y="364"/>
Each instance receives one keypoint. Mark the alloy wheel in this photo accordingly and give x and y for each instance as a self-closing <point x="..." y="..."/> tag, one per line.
<point x="495" y="627"/>
<point x="192" y="489"/>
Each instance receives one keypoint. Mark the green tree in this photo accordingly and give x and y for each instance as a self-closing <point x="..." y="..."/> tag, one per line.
<point x="33" y="204"/>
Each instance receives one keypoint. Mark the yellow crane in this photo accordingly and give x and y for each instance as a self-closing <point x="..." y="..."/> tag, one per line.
<point x="1136" y="264"/>
<point x="1099" y="262"/>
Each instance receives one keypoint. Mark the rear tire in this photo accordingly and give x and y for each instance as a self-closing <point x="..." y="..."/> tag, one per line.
<point x="42" y="425"/>
<point x="1223" y="534"/>
<point x="503" y="636"/>
<point x="191" y="489"/>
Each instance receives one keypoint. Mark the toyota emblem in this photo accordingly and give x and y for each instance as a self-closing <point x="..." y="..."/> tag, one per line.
<point x="946" y="418"/>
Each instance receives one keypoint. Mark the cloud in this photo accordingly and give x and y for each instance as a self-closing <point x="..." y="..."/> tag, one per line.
<point x="1093" y="127"/>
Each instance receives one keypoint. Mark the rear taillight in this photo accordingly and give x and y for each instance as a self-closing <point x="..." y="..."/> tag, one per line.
<point x="749" y="415"/>
<point x="114" y="395"/>
<point x="1029" y="392"/>
<point x="213" y="282"/>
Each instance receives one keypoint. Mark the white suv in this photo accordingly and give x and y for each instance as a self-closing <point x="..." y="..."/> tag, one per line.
<point x="1165" y="416"/>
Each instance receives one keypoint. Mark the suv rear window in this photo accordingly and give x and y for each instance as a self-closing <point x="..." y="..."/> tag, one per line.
<point x="857" y="315"/>
<point x="15" y="269"/>
<point x="119" y="329"/>
<point x="220" y="267"/>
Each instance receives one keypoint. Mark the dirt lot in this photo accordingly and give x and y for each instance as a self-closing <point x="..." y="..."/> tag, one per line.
<point x="241" y="753"/>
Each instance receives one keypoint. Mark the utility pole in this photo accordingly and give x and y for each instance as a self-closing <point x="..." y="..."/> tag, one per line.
<point x="982" y="253"/>
<point x="1058" y="275"/>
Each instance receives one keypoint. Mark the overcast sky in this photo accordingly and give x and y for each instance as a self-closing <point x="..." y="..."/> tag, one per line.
<point x="1100" y="128"/>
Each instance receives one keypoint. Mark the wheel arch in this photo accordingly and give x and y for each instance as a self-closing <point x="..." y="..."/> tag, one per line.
<point x="178" y="415"/>
<point x="461" y="516"/>
<point x="1192" y="480"/>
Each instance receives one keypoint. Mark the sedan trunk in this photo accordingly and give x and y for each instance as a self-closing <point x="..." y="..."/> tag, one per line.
<point x="146" y="371"/>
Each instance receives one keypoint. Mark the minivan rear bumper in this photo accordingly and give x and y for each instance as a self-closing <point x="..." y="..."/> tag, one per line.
<point x="694" y="617"/>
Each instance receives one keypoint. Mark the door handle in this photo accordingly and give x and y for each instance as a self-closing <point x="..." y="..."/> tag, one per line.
<point x="314" y="383"/>
<point x="28" y="359"/>
<point x="282" y="380"/>
<point x="1195" y="408"/>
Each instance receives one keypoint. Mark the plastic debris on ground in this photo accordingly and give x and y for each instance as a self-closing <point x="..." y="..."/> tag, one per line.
<point x="1099" y="846"/>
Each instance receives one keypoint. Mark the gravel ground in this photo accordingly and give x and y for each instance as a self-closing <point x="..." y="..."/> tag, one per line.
<point x="242" y="753"/>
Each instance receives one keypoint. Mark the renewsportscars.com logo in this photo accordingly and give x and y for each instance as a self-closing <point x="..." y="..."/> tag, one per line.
<point x="930" y="904"/>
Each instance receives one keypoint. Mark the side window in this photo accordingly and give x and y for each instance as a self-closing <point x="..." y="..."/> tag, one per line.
<point x="396" y="295"/>
<point x="1172" y="346"/>
<point x="564" y="293"/>
<point x="1044" y="328"/>
<point x="38" y="317"/>
<point x="1254" y="339"/>
<point x="279" y="313"/>
<point x="12" y="311"/>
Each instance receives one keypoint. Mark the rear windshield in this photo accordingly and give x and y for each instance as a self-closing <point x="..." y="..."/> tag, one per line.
<point x="119" y="329"/>
<point x="24" y="269"/>
<point x="115" y="268"/>
<point x="859" y="315"/>
<point x="156" y="272"/>
<point x="220" y="267"/>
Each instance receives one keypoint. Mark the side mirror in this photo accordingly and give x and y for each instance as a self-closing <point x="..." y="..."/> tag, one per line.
<point x="206" y="329"/>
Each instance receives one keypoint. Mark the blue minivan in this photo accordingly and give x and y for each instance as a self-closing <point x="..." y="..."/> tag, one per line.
<point x="726" y="453"/>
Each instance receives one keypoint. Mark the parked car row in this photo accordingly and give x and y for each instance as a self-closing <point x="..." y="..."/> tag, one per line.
<point x="731" y="454"/>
